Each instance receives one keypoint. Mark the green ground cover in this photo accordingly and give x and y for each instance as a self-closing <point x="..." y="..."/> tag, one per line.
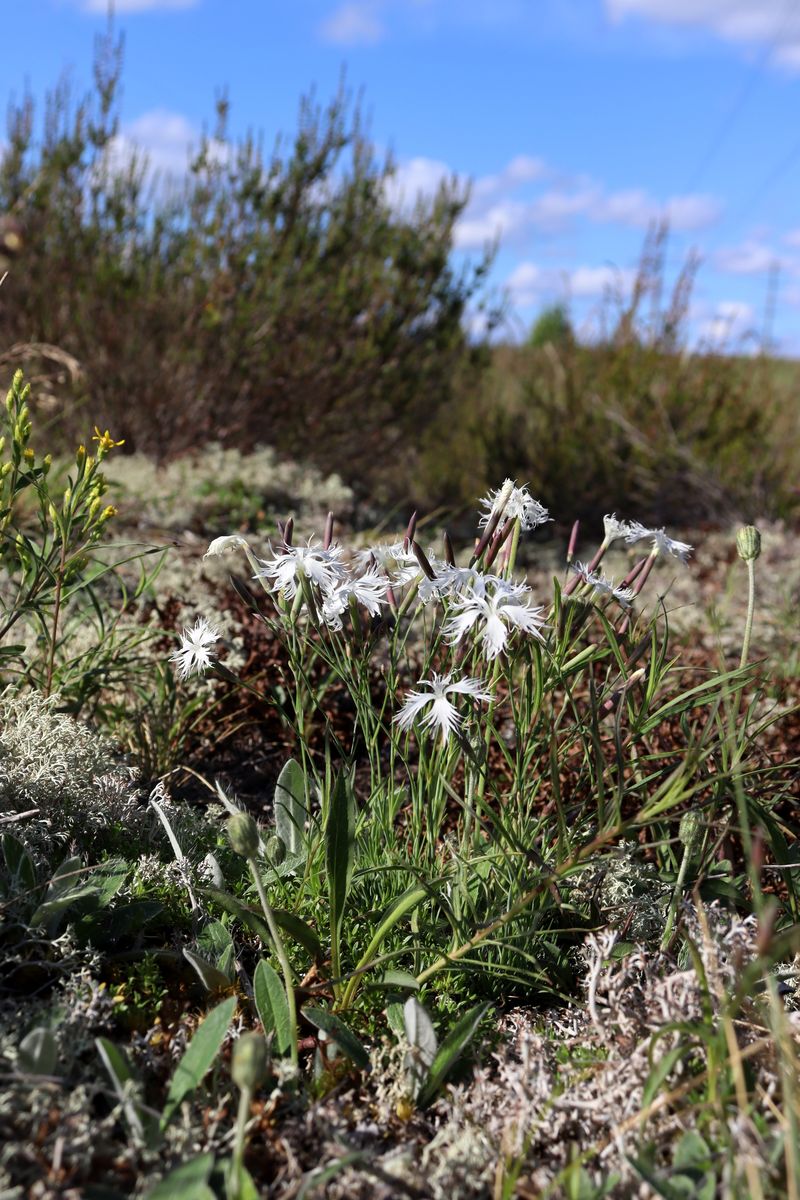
<point x="381" y="864"/>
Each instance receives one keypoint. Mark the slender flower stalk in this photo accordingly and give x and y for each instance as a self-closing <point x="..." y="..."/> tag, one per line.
<point x="748" y="544"/>
<point x="243" y="834"/>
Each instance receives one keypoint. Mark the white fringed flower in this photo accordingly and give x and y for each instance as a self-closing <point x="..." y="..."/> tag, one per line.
<point x="493" y="609"/>
<point x="391" y="559"/>
<point x="448" y="581"/>
<point x="659" y="541"/>
<point x="323" y="568"/>
<point x="194" y="655"/>
<point x="614" y="529"/>
<point x="368" y="589"/>
<point x="230" y="541"/>
<point x="603" y="586"/>
<point x="443" y="714"/>
<point x="510" y="501"/>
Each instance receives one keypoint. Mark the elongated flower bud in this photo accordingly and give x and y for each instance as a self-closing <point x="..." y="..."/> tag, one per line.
<point x="690" y="830"/>
<point x="748" y="543"/>
<point x="250" y="1060"/>
<point x="243" y="834"/>
<point x="411" y="530"/>
<point x="328" y="537"/>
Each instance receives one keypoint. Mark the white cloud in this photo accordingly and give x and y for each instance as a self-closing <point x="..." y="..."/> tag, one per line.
<point x="167" y="138"/>
<point x="136" y="6"/>
<point x="637" y="209"/>
<point x="415" y="179"/>
<point x="748" y="258"/>
<point x="522" y="169"/>
<point x="792" y="238"/>
<point x="743" y="21"/>
<point x="692" y="212"/>
<point x="505" y="206"/>
<point x="500" y="221"/>
<point x="355" y="23"/>
<point x="731" y="319"/>
<point x="596" y="281"/>
<point x="528" y="282"/>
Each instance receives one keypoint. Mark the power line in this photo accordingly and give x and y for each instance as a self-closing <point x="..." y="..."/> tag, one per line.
<point x="741" y="98"/>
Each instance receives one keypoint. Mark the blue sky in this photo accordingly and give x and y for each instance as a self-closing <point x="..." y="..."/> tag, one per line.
<point x="577" y="121"/>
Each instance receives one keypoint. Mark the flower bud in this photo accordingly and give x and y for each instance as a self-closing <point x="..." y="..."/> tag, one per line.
<point x="690" y="829"/>
<point x="250" y="1060"/>
<point x="275" y="849"/>
<point x="748" y="543"/>
<point x="243" y="834"/>
<point x="29" y="456"/>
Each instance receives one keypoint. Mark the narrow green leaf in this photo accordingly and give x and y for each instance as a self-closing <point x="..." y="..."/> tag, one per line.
<point x="339" y="1033"/>
<point x="419" y="1030"/>
<point x="450" y="1051"/>
<point x="108" y="878"/>
<point x="398" y="909"/>
<point x="211" y="977"/>
<point x="692" y="1152"/>
<point x="189" y="1181"/>
<point x="302" y="933"/>
<point x="321" y="1175"/>
<point x="198" y="1056"/>
<point x="660" y="1185"/>
<point x="272" y="1006"/>
<point x="660" y="1073"/>
<point x="340" y="837"/>
<point x="402" y="980"/>
<point x="250" y="919"/>
<point x="215" y="939"/>
<point x="290" y="807"/>
<point x="239" y="1183"/>
<point x="395" y="1018"/>
<point x="18" y="863"/>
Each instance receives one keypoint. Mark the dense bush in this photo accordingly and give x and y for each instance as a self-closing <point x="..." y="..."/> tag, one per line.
<point x="635" y="418"/>
<point x="282" y="297"/>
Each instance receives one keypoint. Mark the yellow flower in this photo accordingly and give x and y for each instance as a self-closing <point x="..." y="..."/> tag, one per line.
<point x="105" y="442"/>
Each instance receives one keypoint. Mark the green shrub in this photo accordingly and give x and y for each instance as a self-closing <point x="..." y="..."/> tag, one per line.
<point x="637" y="423"/>
<point x="278" y="299"/>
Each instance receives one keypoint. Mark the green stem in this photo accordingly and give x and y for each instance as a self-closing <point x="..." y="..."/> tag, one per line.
<point x="283" y="959"/>
<point x="677" y="892"/>
<point x="751" y="607"/>
<point x="237" y="1155"/>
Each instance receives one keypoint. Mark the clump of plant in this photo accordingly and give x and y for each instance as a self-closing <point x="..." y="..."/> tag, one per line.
<point x="63" y="596"/>
<point x="482" y="778"/>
